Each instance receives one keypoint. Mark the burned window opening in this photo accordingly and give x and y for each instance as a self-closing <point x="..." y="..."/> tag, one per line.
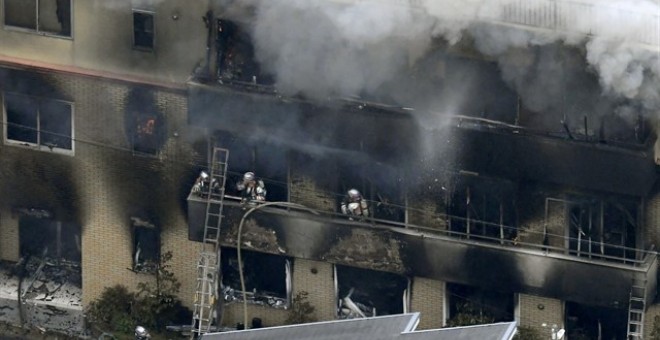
<point x="267" y="161"/>
<point x="366" y="293"/>
<point x="379" y="184"/>
<point x="481" y="208"/>
<point x="470" y="305"/>
<point x="42" y="123"/>
<point x="267" y="278"/>
<point x="235" y="55"/>
<point x="51" y="17"/>
<point x="146" y="246"/>
<point x="589" y="322"/>
<point x="145" y="123"/>
<point x="44" y="237"/>
<point x="595" y="227"/>
<point x="143" y="30"/>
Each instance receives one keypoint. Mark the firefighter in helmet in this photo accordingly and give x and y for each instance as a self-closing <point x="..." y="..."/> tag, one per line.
<point x="252" y="189"/>
<point x="354" y="205"/>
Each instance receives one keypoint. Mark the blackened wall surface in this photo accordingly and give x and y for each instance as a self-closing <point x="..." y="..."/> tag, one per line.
<point x="407" y="252"/>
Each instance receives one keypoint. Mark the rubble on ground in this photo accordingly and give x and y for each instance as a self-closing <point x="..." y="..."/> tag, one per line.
<point x="51" y="292"/>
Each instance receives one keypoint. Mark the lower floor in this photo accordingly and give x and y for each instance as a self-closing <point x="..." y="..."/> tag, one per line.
<point x="99" y="255"/>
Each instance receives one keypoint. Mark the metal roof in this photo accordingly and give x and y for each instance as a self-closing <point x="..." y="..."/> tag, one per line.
<point x="401" y="326"/>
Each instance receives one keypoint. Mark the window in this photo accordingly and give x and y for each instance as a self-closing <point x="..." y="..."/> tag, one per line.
<point x="39" y="235"/>
<point x="366" y="293"/>
<point x="267" y="278"/>
<point x="268" y="161"/>
<point x="52" y="17"/>
<point x="147" y="138"/>
<point x="36" y="122"/>
<point x="143" y="30"/>
<point x="146" y="246"/>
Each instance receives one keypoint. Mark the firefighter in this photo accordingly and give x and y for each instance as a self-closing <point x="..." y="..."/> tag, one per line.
<point x="251" y="188"/>
<point x="354" y="205"/>
<point x="204" y="182"/>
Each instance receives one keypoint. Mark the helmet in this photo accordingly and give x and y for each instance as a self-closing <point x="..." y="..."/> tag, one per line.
<point x="141" y="332"/>
<point x="353" y="193"/>
<point x="204" y="175"/>
<point x="249" y="176"/>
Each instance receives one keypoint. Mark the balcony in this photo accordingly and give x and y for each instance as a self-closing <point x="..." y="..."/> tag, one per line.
<point x="497" y="263"/>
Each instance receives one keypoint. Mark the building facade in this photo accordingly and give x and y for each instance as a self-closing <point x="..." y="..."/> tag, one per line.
<point x="111" y="110"/>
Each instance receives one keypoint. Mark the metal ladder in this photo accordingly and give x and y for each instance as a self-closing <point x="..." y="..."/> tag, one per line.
<point x="637" y="307"/>
<point x="208" y="267"/>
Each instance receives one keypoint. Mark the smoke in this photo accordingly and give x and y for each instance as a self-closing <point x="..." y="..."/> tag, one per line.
<point x="590" y="59"/>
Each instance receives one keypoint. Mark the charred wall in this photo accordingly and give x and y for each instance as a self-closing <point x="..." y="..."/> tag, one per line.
<point x="105" y="181"/>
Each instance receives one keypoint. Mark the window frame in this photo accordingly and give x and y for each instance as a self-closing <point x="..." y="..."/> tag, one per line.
<point x="153" y="38"/>
<point x="37" y="146"/>
<point x="36" y="30"/>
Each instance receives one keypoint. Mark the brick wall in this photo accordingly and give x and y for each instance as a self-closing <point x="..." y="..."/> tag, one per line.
<point x="535" y="310"/>
<point x="308" y="192"/>
<point x="233" y="314"/>
<point x="104" y="183"/>
<point x="652" y="312"/>
<point x="316" y="278"/>
<point x="424" y="213"/>
<point x="8" y="236"/>
<point x="428" y="298"/>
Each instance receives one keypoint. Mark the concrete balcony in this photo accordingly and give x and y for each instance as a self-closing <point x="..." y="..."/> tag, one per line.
<point x="417" y="251"/>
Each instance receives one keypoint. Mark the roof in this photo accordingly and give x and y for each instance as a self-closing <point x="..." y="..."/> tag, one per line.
<point x="401" y="326"/>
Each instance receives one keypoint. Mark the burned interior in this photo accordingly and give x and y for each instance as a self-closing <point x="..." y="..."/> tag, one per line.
<point x="486" y="306"/>
<point x="145" y="123"/>
<point x="267" y="278"/>
<point x="589" y="322"/>
<point x="146" y="245"/>
<point x="367" y="293"/>
<point x="42" y="236"/>
<point x="235" y="55"/>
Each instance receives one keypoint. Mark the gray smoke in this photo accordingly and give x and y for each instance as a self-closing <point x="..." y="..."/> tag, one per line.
<point x="386" y="49"/>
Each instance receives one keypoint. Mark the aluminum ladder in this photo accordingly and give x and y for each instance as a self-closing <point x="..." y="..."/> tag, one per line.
<point x="637" y="307"/>
<point x="208" y="268"/>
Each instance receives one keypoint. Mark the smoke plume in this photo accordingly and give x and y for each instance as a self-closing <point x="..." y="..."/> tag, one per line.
<point x="592" y="58"/>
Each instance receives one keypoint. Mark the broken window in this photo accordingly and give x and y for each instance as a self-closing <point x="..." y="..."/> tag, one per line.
<point x="601" y="227"/>
<point x="146" y="246"/>
<point x="236" y="60"/>
<point x="470" y="305"/>
<point x="481" y="207"/>
<point x="42" y="123"/>
<point x="143" y="30"/>
<point x="267" y="278"/>
<point x="378" y="183"/>
<point x="43" y="16"/>
<point x="365" y="293"/>
<point x="590" y="322"/>
<point x="147" y="133"/>
<point x="145" y="124"/>
<point x="269" y="162"/>
<point x="41" y="236"/>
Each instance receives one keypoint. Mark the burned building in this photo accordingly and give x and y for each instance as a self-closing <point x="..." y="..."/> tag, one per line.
<point x="491" y="189"/>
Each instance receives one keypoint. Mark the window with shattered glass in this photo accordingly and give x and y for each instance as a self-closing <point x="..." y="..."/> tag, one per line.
<point x="478" y="305"/>
<point x="365" y="293"/>
<point x="43" y="237"/>
<point x="146" y="246"/>
<point x="235" y="55"/>
<point x="44" y="124"/>
<point x="50" y="17"/>
<point x="267" y="278"/>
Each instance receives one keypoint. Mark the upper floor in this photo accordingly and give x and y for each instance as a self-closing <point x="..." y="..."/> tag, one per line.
<point x="154" y="40"/>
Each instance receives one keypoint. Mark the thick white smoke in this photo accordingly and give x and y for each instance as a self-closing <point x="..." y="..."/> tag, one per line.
<point x="324" y="48"/>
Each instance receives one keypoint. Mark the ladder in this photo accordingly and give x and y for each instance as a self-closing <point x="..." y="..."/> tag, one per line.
<point x="637" y="307"/>
<point x="208" y="268"/>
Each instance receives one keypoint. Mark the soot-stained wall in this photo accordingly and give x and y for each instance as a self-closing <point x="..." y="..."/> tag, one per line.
<point x="103" y="182"/>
